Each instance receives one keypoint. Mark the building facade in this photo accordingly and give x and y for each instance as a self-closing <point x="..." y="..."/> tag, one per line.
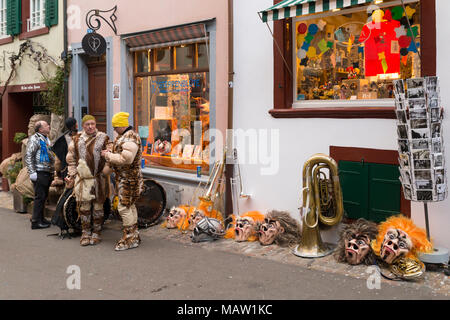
<point x="297" y="92"/>
<point x="166" y="63"/>
<point x="31" y="38"/>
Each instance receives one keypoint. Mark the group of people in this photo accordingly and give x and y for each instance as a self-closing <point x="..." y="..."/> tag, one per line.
<point x="89" y="158"/>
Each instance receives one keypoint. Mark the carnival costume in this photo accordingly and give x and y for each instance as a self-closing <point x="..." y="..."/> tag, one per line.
<point x="91" y="187"/>
<point x="125" y="160"/>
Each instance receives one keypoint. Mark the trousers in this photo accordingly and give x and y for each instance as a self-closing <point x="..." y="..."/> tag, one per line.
<point x="41" y="187"/>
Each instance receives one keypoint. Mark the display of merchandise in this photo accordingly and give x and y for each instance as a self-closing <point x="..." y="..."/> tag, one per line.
<point x="421" y="147"/>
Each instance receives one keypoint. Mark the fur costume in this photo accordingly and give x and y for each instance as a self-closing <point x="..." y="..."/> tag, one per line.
<point x="91" y="188"/>
<point x="398" y="237"/>
<point x="354" y="242"/>
<point x="245" y="227"/>
<point x="88" y="148"/>
<point x="279" y="228"/>
<point x="128" y="175"/>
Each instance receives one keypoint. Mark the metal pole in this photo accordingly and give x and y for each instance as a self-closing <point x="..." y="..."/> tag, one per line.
<point x="425" y="205"/>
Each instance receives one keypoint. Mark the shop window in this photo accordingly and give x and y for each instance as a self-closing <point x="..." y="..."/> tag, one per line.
<point x="341" y="63"/>
<point x="356" y="55"/>
<point x="172" y="106"/>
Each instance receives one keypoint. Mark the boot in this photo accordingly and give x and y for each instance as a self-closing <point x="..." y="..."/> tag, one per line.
<point x="130" y="238"/>
<point x="96" y="227"/>
<point x="85" y="217"/>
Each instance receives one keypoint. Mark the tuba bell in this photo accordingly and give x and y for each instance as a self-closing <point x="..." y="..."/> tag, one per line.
<point x="322" y="201"/>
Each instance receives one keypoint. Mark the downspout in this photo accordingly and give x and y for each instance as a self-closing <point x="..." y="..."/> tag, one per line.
<point x="229" y="168"/>
<point x="65" y="55"/>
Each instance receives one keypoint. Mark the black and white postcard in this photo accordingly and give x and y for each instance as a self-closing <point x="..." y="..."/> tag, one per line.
<point x="401" y="116"/>
<point x="403" y="146"/>
<point x="438" y="160"/>
<point x="422" y="164"/>
<point x="422" y="174"/>
<point x="419" y="123"/>
<point x="436" y="146"/>
<point x="419" y="144"/>
<point x="424" y="184"/>
<point x="424" y="195"/>
<point x="402" y="131"/>
<point x="420" y="133"/>
<point x="421" y="155"/>
<point x="417" y="114"/>
<point x="415" y="83"/>
<point x="417" y="103"/>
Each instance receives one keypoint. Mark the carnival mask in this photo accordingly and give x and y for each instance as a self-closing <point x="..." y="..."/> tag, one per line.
<point x="357" y="246"/>
<point x="196" y="216"/>
<point x="162" y="146"/>
<point x="174" y="217"/>
<point x="268" y="231"/>
<point x="207" y="229"/>
<point x="245" y="227"/>
<point x="396" y="243"/>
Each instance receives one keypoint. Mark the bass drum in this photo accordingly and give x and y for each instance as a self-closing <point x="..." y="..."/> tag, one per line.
<point x="70" y="212"/>
<point x="151" y="204"/>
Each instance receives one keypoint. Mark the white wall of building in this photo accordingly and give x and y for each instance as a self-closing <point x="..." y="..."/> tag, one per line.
<point x="301" y="138"/>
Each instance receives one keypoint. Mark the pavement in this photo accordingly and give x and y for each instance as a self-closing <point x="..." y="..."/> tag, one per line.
<point x="168" y="266"/>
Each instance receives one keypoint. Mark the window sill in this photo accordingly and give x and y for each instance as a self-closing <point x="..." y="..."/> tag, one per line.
<point x="336" y="112"/>
<point x="173" y="175"/>
<point x="6" y="40"/>
<point x="34" y="33"/>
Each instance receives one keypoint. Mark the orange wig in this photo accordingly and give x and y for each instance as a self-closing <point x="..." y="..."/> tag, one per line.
<point x="255" y="215"/>
<point x="418" y="236"/>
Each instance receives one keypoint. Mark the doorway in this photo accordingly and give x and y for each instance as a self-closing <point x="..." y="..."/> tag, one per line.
<point x="97" y="90"/>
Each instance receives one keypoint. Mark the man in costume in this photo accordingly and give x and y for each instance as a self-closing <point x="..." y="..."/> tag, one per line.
<point x="88" y="175"/>
<point x="125" y="159"/>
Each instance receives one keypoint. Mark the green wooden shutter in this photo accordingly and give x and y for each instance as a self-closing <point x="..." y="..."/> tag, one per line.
<point x="13" y="17"/>
<point x="353" y="178"/>
<point x="51" y="12"/>
<point x="385" y="191"/>
<point x="370" y="190"/>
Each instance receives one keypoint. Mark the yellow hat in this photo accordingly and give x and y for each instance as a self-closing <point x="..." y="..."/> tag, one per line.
<point x="120" y="119"/>
<point x="87" y="118"/>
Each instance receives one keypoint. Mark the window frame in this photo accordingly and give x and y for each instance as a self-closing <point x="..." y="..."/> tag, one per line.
<point x="30" y="26"/>
<point x="3" y="24"/>
<point x="283" y="85"/>
<point x="173" y="70"/>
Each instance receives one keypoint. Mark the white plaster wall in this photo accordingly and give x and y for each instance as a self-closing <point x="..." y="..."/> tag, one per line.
<point x="301" y="138"/>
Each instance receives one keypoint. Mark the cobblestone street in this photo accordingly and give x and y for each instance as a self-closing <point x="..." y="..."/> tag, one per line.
<point x="169" y="266"/>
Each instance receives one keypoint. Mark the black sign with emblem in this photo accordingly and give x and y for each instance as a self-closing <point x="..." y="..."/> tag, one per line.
<point x="94" y="44"/>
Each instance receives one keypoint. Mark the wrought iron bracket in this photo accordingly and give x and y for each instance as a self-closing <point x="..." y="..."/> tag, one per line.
<point x="94" y="23"/>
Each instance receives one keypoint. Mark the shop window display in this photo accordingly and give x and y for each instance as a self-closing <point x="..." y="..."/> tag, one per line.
<point x="356" y="55"/>
<point x="172" y="107"/>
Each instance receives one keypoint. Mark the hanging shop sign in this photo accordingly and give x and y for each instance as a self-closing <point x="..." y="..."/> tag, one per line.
<point x="94" y="44"/>
<point x="421" y="148"/>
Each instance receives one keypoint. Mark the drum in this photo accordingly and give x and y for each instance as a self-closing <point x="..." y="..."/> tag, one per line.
<point x="70" y="212"/>
<point x="151" y="204"/>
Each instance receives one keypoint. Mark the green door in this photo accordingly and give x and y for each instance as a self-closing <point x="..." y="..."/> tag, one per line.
<point x="370" y="190"/>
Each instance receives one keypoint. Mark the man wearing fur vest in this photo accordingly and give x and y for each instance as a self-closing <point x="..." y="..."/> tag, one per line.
<point x="88" y="175"/>
<point x="125" y="159"/>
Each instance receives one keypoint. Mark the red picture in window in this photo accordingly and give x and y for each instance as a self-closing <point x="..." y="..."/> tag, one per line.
<point x="381" y="47"/>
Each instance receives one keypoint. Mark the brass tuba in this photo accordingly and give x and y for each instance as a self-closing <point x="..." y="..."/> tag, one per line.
<point x="322" y="201"/>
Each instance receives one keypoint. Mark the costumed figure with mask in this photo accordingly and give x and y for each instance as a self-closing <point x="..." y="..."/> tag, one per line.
<point x="398" y="243"/>
<point x="61" y="146"/>
<point x="280" y="228"/>
<point x="354" y="242"/>
<point x="245" y="227"/>
<point x="125" y="159"/>
<point x="89" y="176"/>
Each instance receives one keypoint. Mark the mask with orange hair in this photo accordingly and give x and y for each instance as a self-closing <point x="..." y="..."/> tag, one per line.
<point x="178" y="217"/>
<point x="398" y="237"/>
<point x="245" y="227"/>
